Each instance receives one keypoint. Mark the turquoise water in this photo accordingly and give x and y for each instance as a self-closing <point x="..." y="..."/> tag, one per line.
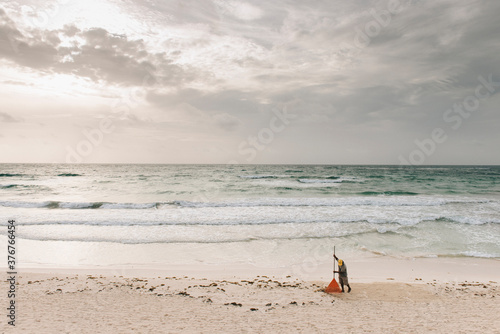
<point x="388" y="210"/>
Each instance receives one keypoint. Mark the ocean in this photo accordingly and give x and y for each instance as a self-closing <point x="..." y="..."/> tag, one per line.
<point x="269" y="215"/>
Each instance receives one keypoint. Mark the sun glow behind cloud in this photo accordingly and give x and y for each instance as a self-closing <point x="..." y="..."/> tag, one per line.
<point x="53" y="15"/>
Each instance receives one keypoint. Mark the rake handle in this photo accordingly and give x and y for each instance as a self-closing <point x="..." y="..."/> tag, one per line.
<point x="334" y="262"/>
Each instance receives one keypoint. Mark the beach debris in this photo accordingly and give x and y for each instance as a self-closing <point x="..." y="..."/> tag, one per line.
<point x="234" y="304"/>
<point x="253" y="309"/>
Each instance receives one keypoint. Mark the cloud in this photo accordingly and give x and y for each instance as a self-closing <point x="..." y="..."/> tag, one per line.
<point x="17" y="83"/>
<point x="8" y="36"/>
<point x="240" y="10"/>
<point x="94" y="53"/>
<point x="6" y="118"/>
<point x="226" y="121"/>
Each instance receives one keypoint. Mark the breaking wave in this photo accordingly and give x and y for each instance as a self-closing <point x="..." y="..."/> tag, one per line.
<point x="271" y="202"/>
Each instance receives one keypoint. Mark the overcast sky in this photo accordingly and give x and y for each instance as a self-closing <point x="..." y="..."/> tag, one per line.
<point x="223" y="81"/>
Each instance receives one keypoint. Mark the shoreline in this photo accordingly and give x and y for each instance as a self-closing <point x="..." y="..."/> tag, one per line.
<point x="389" y="294"/>
<point x="363" y="270"/>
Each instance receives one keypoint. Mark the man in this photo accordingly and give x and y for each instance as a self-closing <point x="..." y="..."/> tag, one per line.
<point x="342" y="274"/>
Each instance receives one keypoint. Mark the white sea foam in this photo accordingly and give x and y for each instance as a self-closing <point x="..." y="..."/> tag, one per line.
<point x="320" y="180"/>
<point x="330" y="180"/>
<point x="286" y="202"/>
<point x="480" y="254"/>
<point x="21" y="204"/>
<point x="129" y="205"/>
<point x="192" y="234"/>
<point x="259" y="176"/>
<point x="84" y="205"/>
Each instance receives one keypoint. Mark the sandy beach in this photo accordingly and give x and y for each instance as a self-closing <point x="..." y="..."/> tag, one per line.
<point x="207" y="166"/>
<point x="70" y="300"/>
